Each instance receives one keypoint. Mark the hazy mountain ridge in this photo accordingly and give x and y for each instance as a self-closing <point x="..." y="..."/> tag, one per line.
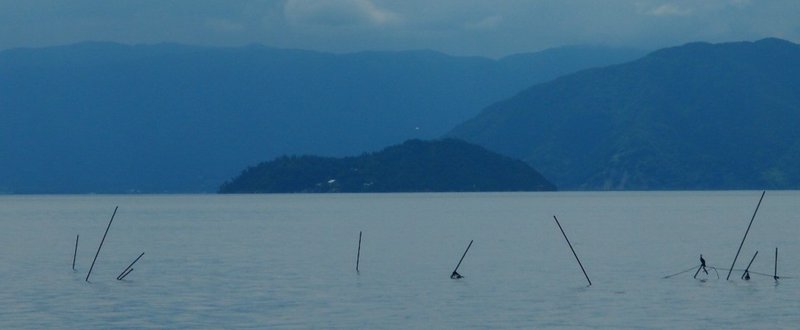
<point x="698" y="116"/>
<point x="414" y="166"/>
<point x="105" y="117"/>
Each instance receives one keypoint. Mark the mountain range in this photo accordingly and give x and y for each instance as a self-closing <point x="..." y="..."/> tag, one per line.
<point x="697" y="116"/>
<point x="110" y="118"/>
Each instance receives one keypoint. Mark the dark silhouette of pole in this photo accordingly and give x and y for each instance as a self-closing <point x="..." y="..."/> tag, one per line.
<point x="573" y="251"/>
<point x="121" y="275"/>
<point x="101" y="243"/>
<point x="775" y="274"/>
<point x="358" y="256"/>
<point x="455" y="273"/>
<point x="747" y="270"/>
<point x="745" y="235"/>
<point x="698" y="271"/>
<point x="75" y="254"/>
<point x="126" y="274"/>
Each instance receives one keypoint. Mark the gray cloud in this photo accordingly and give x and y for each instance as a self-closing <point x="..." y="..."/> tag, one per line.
<point x="488" y="22"/>
<point x="464" y="27"/>
<point x="337" y="13"/>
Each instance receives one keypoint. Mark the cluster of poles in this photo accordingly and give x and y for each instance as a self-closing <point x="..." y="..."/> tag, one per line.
<point x="121" y="275"/>
<point x="745" y="275"/>
<point x="455" y="275"/>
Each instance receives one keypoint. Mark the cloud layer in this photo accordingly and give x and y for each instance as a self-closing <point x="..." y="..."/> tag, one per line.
<point x="337" y="13"/>
<point x="464" y="27"/>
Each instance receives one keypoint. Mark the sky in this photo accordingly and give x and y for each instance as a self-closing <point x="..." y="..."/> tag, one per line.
<point x="489" y="28"/>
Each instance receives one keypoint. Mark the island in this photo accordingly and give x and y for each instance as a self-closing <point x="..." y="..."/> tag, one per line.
<point x="444" y="165"/>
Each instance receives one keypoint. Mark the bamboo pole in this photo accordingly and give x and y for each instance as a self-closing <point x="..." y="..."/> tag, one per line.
<point x="75" y="254"/>
<point x="358" y="256"/>
<point x="101" y="244"/>
<point x="126" y="274"/>
<point x="573" y="251"/>
<point x="121" y="275"/>
<point x="746" y="270"/>
<point x="455" y="274"/>
<point x="745" y="235"/>
<point x="775" y="274"/>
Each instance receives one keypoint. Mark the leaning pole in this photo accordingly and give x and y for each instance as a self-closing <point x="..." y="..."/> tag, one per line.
<point x="101" y="243"/>
<point x="745" y="235"/>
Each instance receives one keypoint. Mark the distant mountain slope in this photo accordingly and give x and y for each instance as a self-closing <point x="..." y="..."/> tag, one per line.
<point x="103" y="117"/>
<point x="699" y="116"/>
<point x="415" y="166"/>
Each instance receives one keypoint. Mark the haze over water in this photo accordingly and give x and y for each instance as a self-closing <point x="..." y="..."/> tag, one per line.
<point x="236" y="261"/>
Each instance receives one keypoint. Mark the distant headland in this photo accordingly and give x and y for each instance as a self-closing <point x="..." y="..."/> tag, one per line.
<point x="446" y="165"/>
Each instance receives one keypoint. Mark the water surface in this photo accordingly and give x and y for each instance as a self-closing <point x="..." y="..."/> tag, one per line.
<point x="238" y="261"/>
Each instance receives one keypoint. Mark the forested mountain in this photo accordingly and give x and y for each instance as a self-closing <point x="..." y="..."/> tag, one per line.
<point x="104" y="117"/>
<point x="698" y="116"/>
<point x="415" y="166"/>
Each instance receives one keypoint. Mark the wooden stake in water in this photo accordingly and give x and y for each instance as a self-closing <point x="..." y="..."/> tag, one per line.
<point x="745" y="235"/>
<point x="101" y="244"/>
<point x="75" y="254"/>
<point x="123" y="274"/>
<point x="358" y="256"/>
<point x="126" y="274"/>
<point x="747" y="270"/>
<point x="573" y="251"/>
<point x="455" y="274"/>
<point x="775" y="274"/>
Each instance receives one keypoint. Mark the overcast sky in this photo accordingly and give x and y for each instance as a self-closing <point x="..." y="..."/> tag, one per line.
<point x="458" y="27"/>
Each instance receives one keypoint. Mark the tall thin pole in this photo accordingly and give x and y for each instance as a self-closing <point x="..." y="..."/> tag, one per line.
<point x="775" y="274"/>
<point x="745" y="235"/>
<point x="120" y="276"/>
<point x="358" y="256"/>
<point x="455" y="271"/>
<point x="101" y="243"/>
<point x="748" y="265"/>
<point x="573" y="251"/>
<point x="75" y="254"/>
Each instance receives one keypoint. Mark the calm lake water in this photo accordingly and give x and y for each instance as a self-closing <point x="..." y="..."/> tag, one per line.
<point x="288" y="261"/>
